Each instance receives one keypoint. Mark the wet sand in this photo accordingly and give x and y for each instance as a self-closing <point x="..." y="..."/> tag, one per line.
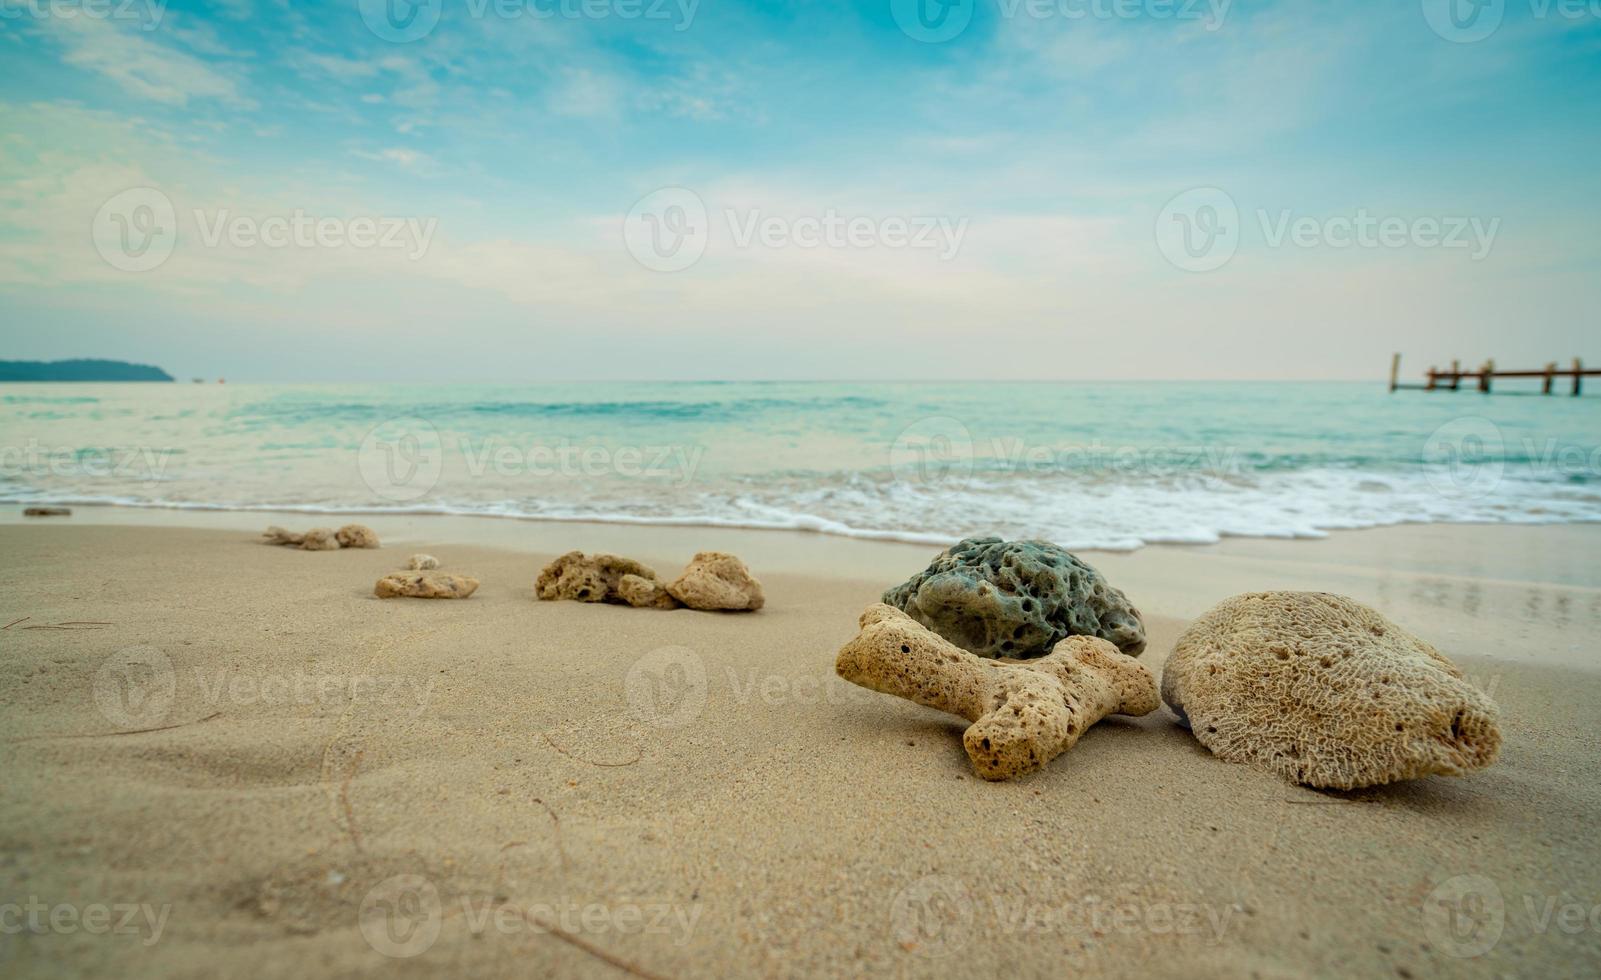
<point x="337" y="785"/>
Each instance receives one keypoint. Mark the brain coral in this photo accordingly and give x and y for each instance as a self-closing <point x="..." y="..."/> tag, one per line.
<point x="1326" y="692"/>
<point x="1016" y="599"/>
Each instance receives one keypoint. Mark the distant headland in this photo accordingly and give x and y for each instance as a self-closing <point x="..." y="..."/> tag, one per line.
<point x="80" y="369"/>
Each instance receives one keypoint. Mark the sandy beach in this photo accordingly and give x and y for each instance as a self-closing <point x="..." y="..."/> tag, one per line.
<point x="334" y="784"/>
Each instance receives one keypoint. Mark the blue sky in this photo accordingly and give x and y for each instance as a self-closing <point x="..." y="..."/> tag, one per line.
<point x="1052" y="138"/>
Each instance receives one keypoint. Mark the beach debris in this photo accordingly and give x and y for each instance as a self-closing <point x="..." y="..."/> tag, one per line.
<point x="1016" y="599"/>
<point x="645" y="593"/>
<point x="356" y="536"/>
<point x="416" y="585"/>
<point x="277" y="535"/>
<point x="319" y="539"/>
<point x="1024" y="712"/>
<point x="717" y="581"/>
<point x="588" y="579"/>
<point x="1326" y="692"/>
<point x="47" y="512"/>
<point x="422" y="563"/>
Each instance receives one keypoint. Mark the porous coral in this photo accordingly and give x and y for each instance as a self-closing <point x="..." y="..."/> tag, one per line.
<point x="1024" y="712"/>
<point x="717" y="581"/>
<point x="1327" y="692"/>
<point x="588" y="579"/>
<point x="418" y="586"/>
<point x="1017" y="599"/>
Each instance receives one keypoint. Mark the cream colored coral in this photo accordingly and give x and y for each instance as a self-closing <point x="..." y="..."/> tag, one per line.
<point x="1327" y="692"/>
<point x="319" y="539"/>
<point x="418" y="586"/>
<point x="717" y="581"/>
<point x="356" y="536"/>
<point x="277" y="535"/>
<point x="1024" y="712"/>
<point x="588" y="578"/>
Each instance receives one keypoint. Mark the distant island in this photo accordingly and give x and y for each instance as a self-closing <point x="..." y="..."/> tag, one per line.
<point x="81" y="369"/>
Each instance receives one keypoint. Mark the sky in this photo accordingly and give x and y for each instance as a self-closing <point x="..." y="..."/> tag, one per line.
<point x="531" y="190"/>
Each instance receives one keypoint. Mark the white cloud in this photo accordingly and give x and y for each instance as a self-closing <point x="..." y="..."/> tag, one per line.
<point x="142" y="66"/>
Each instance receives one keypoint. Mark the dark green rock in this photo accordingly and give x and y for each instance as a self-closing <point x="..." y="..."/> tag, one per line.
<point x="1017" y="599"/>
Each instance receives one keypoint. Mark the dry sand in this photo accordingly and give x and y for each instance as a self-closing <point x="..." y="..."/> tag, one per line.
<point x="695" y="795"/>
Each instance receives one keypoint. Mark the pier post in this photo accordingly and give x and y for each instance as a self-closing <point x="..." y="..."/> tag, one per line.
<point x="1456" y="374"/>
<point x="1395" y="372"/>
<point x="1432" y="374"/>
<point x="1578" y="375"/>
<point x="1550" y="377"/>
<point x="1484" y="376"/>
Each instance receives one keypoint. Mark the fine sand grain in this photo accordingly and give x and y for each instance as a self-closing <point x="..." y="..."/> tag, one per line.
<point x="237" y="748"/>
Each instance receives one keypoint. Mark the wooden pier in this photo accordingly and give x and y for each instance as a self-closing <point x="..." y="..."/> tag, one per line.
<point x="1451" y="379"/>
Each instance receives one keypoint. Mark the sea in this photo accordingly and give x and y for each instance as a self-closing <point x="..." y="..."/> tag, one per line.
<point x="1086" y="465"/>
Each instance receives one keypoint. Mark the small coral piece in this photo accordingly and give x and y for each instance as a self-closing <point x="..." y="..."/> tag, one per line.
<point x="1326" y="692"/>
<point x="1016" y="599"/>
<point x="1024" y="712"/>
<point x="277" y="535"/>
<point x="418" y="586"/>
<point x="588" y="579"/>
<point x="718" y="582"/>
<point x="319" y="539"/>
<point x="356" y="536"/>
<point x="422" y="563"/>
<point x="645" y="593"/>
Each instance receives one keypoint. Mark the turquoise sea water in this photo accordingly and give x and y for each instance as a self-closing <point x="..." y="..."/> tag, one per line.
<point x="1085" y="465"/>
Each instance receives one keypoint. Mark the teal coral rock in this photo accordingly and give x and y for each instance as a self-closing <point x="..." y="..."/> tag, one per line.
<point x="1017" y="599"/>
